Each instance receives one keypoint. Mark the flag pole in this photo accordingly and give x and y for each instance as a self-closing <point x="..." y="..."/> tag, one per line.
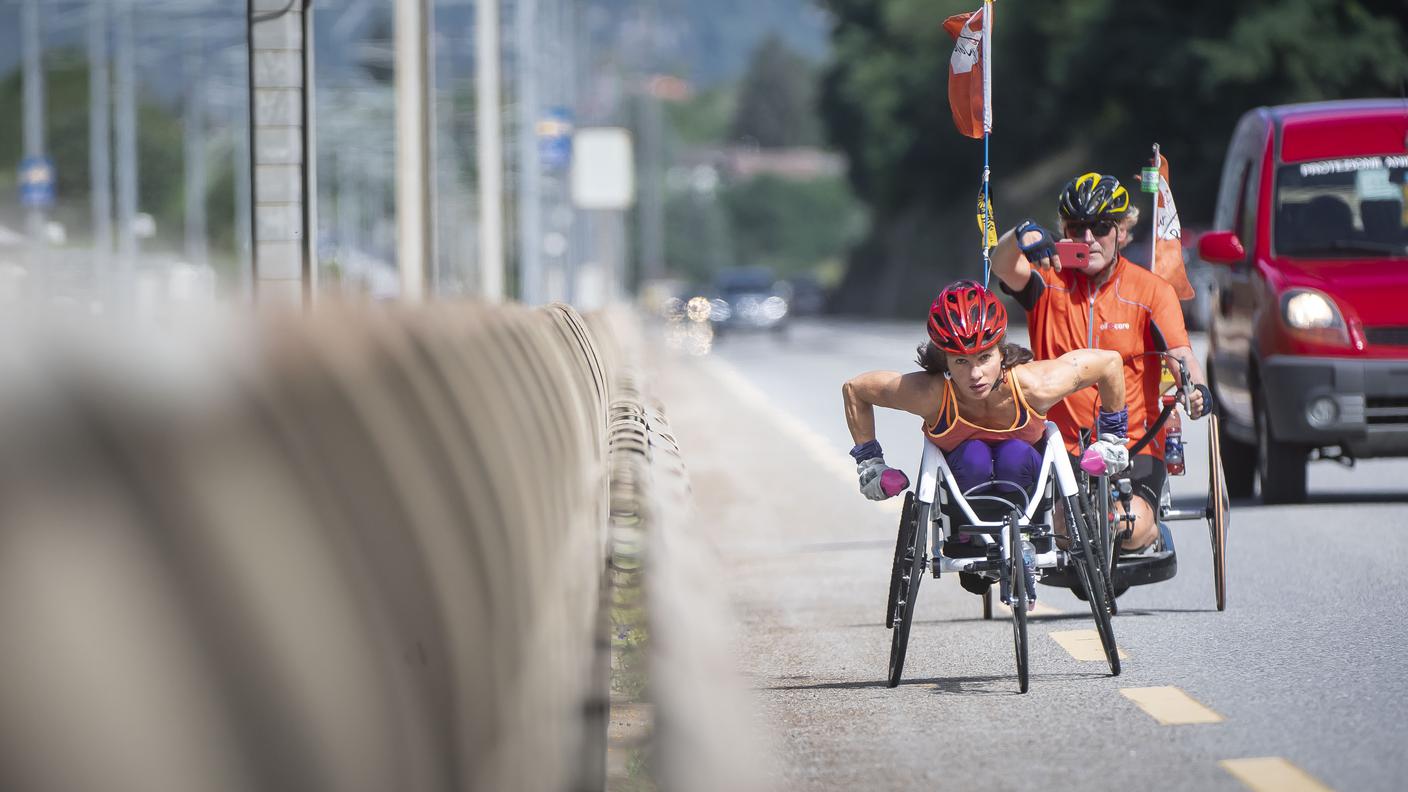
<point x="1152" y="184"/>
<point x="987" y="134"/>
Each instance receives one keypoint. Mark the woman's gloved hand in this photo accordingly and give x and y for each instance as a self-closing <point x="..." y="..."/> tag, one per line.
<point x="878" y="481"/>
<point x="1106" y="456"/>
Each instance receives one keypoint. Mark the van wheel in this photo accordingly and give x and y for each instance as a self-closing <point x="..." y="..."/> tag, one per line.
<point x="1280" y="467"/>
<point x="1239" y="463"/>
<point x="1239" y="460"/>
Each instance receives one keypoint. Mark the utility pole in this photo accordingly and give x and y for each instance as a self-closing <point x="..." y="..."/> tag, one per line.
<point x="125" y="90"/>
<point x="489" y="131"/>
<point x="415" y="228"/>
<point x="652" y="203"/>
<point x="244" y="199"/>
<point x="193" y="159"/>
<point x="100" y="137"/>
<point x="530" y="171"/>
<point x="32" y="45"/>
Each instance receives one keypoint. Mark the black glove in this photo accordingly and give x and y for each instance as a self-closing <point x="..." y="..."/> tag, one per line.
<point x="1043" y="248"/>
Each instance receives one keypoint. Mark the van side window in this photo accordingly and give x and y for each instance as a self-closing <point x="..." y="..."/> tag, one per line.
<point x="1245" y="224"/>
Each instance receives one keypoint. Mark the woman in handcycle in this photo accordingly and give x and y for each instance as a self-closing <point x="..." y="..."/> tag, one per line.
<point x="983" y="402"/>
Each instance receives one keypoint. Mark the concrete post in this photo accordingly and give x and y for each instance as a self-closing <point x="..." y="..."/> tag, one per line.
<point x="281" y="90"/>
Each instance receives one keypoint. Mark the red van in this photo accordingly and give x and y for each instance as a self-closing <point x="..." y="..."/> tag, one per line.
<point x="1308" y="337"/>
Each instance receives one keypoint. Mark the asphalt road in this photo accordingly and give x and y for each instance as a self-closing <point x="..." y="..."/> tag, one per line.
<point x="1308" y="665"/>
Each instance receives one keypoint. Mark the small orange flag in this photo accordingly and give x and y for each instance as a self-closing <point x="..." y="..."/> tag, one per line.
<point x="1168" y="239"/>
<point x="966" y="75"/>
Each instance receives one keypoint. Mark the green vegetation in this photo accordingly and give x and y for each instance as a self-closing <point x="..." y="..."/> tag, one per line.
<point x="795" y="223"/>
<point x="66" y="132"/>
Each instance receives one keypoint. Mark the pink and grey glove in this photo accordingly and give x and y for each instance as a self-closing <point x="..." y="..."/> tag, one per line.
<point x="878" y="481"/>
<point x="1106" y="456"/>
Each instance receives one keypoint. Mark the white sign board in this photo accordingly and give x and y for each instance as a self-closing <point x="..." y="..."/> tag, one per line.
<point x="603" y="169"/>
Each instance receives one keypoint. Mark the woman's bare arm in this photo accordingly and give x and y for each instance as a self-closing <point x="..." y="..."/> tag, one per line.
<point x="1047" y="382"/>
<point x="918" y="392"/>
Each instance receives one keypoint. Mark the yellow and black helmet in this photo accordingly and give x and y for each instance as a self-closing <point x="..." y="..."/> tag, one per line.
<point x="1094" y="196"/>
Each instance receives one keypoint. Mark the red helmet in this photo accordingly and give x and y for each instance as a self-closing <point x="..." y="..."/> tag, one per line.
<point x="966" y="319"/>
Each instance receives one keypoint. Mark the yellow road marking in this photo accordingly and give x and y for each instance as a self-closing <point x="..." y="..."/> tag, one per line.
<point x="1268" y="773"/>
<point x="1170" y="706"/>
<point x="1083" y="644"/>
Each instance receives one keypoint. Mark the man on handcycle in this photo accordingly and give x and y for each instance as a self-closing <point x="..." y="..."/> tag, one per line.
<point x="1111" y="304"/>
<point x="984" y="401"/>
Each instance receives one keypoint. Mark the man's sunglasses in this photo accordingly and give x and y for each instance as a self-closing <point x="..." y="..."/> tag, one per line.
<point x="1098" y="228"/>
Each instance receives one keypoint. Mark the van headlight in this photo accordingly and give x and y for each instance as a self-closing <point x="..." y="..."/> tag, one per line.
<point x="1304" y="309"/>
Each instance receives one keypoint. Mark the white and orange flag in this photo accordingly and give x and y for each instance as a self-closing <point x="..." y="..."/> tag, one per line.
<point x="969" y="71"/>
<point x="1168" y="238"/>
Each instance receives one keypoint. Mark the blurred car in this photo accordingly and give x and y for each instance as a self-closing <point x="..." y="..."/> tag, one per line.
<point x="1308" y="344"/>
<point x="808" y="297"/>
<point x="749" y="298"/>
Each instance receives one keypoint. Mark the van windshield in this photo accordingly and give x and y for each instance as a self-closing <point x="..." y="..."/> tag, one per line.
<point x="1342" y="208"/>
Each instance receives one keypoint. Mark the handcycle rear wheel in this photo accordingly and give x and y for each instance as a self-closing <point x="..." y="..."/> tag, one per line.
<point x="908" y="593"/>
<point x="1084" y="555"/>
<point x="1015" y="570"/>
<point x="1218" y="512"/>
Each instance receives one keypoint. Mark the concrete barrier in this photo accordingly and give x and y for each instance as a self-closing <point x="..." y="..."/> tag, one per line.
<point x="365" y="552"/>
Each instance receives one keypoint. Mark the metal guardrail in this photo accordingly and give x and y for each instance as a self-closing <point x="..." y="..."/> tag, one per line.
<point x="699" y="728"/>
<point x="366" y="554"/>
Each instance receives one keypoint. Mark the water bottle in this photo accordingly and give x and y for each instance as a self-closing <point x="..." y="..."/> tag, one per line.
<point x="1173" y="446"/>
<point x="1029" y="567"/>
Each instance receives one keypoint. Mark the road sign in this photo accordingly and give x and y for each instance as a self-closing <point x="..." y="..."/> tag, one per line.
<point x="555" y="139"/>
<point x="36" y="178"/>
<point x="603" y="169"/>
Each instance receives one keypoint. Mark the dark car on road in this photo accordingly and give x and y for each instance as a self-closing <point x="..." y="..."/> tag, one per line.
<point x="1308" y="354"/>
<point x="749" y="298"/>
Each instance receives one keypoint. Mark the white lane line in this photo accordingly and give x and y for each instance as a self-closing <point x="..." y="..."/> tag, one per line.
<point x="809" y="440"/>
<point x="1272" y="774"/>
<point x="1084" y="645"/>
<point x="1170" y="706"/>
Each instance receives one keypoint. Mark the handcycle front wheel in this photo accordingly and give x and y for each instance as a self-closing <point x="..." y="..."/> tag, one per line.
<point x="902" y="542"/>
<point x="907" y="594"/>
<point x="1084" y="555"/>
<point x="1015" y="570"/>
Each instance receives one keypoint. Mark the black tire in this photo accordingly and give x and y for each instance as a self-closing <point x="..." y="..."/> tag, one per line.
<point x="1280" y="467"/>
<point x="902" y="541"/>
<point x="1103" y="536"/>
<point x="1087" y="564"/>
<point x="987" y="605"/>
<point x="1017" y="584"/>
<point x="904" y="607"/>
<point x="1238" y="464"/>
<point x="1238" y="458"/>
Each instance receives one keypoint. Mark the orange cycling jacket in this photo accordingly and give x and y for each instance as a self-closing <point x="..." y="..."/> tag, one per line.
<point x="1134" y="311"/>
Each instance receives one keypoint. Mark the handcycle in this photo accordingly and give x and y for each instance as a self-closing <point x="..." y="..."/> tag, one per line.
<point x="995" y="527"/>
<point x="1111" y="526"/>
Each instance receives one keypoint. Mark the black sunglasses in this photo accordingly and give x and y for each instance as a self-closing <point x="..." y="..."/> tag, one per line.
<point x="1099" y="228"/>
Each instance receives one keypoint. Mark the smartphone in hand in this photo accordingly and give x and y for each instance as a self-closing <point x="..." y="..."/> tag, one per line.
<point x="1074" y="255"/>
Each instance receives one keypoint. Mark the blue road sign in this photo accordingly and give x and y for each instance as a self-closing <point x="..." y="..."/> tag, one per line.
<point x="36" y="178"/>
<point x="555" y="139"/>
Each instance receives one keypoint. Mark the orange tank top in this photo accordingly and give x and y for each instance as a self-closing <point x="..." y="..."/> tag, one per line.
<point x="949" y="429"/>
